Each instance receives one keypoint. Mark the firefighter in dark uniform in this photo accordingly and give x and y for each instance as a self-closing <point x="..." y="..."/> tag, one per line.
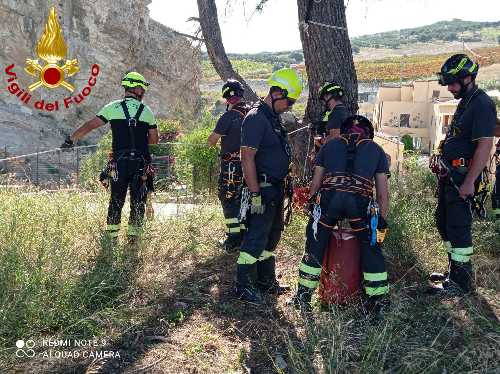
<point x="495" y="196"/>
<point x="266" y="159"/>
<point x="464" y="154"/>
<point x="342" y="187"/>
<point x="228" y="129"/>
<point x="331" y="95"/>
<point x="133" y="127"/>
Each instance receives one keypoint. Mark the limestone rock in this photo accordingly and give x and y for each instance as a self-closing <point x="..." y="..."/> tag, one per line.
<point x="117" y="37"/>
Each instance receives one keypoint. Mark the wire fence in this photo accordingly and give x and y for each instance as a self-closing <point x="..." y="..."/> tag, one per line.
<point x="53" y="169"/>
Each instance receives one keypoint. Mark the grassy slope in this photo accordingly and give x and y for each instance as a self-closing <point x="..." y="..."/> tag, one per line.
<point x="169" y="301"/>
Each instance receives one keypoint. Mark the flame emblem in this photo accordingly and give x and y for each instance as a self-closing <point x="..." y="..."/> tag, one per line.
<point x="51" y="48"/>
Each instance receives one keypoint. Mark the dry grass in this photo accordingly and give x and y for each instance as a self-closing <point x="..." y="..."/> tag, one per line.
<point x="176" y="313"/>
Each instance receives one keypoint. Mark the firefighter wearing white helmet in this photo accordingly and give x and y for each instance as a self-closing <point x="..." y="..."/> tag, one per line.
<point x="266" y="160"/>
<point x="133" y="128"/>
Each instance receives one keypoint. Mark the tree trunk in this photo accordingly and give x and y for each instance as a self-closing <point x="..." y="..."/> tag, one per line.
<point x="328" y="56"/>
<point x="209" y="24"/>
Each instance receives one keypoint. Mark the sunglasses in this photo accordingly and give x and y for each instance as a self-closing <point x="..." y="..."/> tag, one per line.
<point x="290" y="102"/>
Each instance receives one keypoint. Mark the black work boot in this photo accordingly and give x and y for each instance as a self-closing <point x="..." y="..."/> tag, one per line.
<point x="440" y="277"/>
<point x="377" y="305"/>
<point x="232" y="242"/>
<point x="302" y="298"/>
<point x="246" y="276"/>
<point x="267" y="281"/>
<point x="458" y="284"/>
<point x="461" y="275"/>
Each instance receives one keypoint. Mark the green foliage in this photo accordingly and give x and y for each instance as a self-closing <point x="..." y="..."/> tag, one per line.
<point x="242" y="67"/>
<point x="491" y="84"/>
<point x="355" y="48"/>
<point x="445" y="30"/>
<point x="408" y="142"/>
<point x="93" y="163"/>
<point x="198" y="159"/>
<point x="497" y="103"/>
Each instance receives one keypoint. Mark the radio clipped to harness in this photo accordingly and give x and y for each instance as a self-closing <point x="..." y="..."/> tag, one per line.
<point x="376" y="226"/>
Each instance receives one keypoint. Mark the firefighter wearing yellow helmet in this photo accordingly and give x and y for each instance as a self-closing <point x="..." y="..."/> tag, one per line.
<point x="266" y="159"/>
<point x="133" y="128"/>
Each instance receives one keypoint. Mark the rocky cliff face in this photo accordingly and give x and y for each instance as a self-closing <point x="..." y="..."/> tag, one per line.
<point x="113" y="35"/>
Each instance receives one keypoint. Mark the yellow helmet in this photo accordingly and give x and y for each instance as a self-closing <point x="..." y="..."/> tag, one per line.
<point x="133" y="79"/>
<point x="289" y="81"/>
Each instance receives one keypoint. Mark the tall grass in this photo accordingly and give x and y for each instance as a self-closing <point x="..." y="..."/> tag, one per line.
<point x="420" y="334"/>
<point x="62" y="277"/>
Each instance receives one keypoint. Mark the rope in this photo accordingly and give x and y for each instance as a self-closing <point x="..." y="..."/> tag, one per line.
<point x="302" y="128"/>
<point x="475" y="54"/>
<point x="81" y="147"/>
<point x="305" y="24"/>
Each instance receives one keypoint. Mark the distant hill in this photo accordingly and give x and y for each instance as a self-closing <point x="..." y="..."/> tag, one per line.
<point x="441" y="31"/>
<point x="372" y="53"/>
<point x="444" y="31"/>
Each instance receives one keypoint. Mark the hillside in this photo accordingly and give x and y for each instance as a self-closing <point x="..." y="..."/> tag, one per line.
<point x="378" y="56"/>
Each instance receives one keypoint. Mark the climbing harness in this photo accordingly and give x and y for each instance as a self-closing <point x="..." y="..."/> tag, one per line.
<point x="289" y="188"/>
<point x="228" y="173"/>
<point x="315" y="201"/>
<point x="110" y="172"/>
<point x="245" y="204"/>
<point x="442" y="167"/>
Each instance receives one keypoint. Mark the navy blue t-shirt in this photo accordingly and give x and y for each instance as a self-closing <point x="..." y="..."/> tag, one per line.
<point x="257" y="133"/>
<point x="229" y="127"/>
<point x="336" y="117"/>
<point x="369" y="158"/>
<point x="474" y="119"/>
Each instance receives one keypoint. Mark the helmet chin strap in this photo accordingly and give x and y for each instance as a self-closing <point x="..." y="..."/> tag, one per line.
<point x="138" y="97"/>
<point x="463" y="88"/>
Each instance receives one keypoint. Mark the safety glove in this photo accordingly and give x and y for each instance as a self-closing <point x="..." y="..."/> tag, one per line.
<point x="256" y="206"/>
<point x="381" y="229"/>
<point x="68" y="144"/>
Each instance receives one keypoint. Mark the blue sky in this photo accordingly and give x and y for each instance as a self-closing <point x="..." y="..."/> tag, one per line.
<point x="363" y="17"/>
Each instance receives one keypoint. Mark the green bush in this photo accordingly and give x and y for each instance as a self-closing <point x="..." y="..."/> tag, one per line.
<point x="408" y="142"/>
<point x="198" y="160"/>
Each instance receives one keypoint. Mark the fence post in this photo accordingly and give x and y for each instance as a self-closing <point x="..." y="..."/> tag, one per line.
<point x="5" y="162"/>
<point x="77" y="166"/>
<point x="37" y="155"/>
<point x="59" y="172"/>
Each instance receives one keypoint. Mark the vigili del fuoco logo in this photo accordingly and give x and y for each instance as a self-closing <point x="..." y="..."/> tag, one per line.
<point x="52" y="49"/>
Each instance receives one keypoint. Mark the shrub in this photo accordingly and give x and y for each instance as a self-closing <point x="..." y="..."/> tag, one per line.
<point x="408" y="142"/>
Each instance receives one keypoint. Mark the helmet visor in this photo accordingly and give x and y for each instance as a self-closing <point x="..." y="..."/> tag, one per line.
<point x="446" y="79"/>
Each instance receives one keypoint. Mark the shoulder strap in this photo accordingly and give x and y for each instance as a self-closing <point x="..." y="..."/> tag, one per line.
<point x="352" y="143"/>
<point x="278" y="129"/>
<point x="132" y="123"/>
<point x="243" y="110"/>
<point x="457" y="115"/>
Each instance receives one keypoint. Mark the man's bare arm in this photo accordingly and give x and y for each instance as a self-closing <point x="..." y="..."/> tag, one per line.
<point x="382" y="192"/>
<point x="249" y="168"/>
<point x="87" y="127"/>
<point x="213" y="139"/>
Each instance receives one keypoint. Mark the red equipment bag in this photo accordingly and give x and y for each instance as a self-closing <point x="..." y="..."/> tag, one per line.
<point x="341" y="278"/>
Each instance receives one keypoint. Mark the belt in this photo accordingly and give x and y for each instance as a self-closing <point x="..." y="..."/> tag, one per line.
<point x="460" y="162"/>
<point x="264" y="178"/>
<point x="265" y="184"/>
<point x="131" y="158"/>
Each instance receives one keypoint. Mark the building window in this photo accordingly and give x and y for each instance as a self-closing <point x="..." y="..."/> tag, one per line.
<point x="417" y="143"/>
<point x="404" y="120"/>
